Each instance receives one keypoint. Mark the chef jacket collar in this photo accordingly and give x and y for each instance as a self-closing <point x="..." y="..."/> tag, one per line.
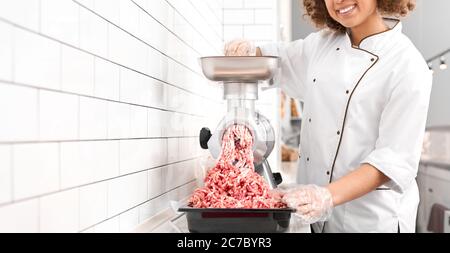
<point x="375" y="42"/>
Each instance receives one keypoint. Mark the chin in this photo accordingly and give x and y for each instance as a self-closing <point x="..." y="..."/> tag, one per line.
<point x="350" y="23"/>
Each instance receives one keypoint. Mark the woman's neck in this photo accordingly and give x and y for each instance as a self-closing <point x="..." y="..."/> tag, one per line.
<point x="374" y="24"/>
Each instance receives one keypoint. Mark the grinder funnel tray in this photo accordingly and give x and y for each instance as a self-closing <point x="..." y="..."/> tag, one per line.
<point x="239" y="69"/>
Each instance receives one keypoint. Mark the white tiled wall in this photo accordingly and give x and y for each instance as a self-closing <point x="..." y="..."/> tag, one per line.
<point x="101" y="102"/>
<point x="251" y="19"/>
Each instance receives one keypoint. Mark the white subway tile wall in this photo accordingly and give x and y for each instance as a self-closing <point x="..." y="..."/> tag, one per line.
<point x="250" y="19"/>
<point x="35" y="169"/>
<point x="93" y="204"/>
<point x="5" y="174"/>
<point x="6" y="51"/>
<point x="38" y="64"/>
<point x="77" y="71"/>
<point x="22" y="217"/>
<point x="58" y="116"/>
<point x="101" y="103"/>
<point x="60" y="212"/>
<point x="27" y="17"/>
<point x="22" y="122"/>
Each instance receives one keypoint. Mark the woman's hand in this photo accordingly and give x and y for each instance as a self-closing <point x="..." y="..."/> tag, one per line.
<point x="240" y="47"/>
<point x="313" y="203"/>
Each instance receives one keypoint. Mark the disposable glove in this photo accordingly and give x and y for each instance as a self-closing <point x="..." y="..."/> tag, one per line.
<point x="240" y="47"/>
<point x="313" y="203"/>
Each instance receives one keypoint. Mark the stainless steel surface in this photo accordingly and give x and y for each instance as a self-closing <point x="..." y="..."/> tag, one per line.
<point x="239" y="68"/>
<point x="247" y="91"/>
<point x="240" y="103"/>
<point x="265" y="171"/>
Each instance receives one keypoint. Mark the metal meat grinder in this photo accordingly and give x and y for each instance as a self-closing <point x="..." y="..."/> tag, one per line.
<point x="241" y="77"/>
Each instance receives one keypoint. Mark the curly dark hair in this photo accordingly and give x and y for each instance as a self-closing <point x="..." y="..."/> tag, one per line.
<point x="317" y="11"/>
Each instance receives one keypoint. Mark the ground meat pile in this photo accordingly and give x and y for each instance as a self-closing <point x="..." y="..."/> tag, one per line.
<point x="233" y="182"/>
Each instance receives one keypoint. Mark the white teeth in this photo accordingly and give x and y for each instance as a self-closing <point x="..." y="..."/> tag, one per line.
<point x="346" y="10"/>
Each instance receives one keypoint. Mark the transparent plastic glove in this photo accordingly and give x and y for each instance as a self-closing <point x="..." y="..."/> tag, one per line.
<point x="313" y="203"/>
<point x="279" y="192"/>
<point x="240" y="47"/>
<point x="202" y="166"/>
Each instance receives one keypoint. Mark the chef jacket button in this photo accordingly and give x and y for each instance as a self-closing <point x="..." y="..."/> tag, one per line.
<point x="337" y="49"/>
<point x="314" y="80"/>
<point x="328" y="173"/>
<point x="347" y="92"/>
<point x="307" y="159"/>
<point x="309" y="120"/>
<point x="339" y="133"/>
<point x="372" y="60"/>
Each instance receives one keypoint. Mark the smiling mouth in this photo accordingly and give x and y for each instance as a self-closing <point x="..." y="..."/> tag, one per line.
<point x="346" y="10"/>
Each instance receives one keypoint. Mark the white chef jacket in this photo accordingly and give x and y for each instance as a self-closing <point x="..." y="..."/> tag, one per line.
<point x="365" y="104"/>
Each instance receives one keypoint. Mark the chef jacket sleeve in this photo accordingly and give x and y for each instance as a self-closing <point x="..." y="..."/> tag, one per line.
<point x="401" y="130"/>
<point x="295" y="56"/>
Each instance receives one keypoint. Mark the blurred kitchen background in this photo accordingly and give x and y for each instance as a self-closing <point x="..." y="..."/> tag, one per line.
<point x="101" y="103"/>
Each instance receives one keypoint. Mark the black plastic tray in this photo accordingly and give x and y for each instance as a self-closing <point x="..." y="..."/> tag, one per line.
<point x="218" y="220"/>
